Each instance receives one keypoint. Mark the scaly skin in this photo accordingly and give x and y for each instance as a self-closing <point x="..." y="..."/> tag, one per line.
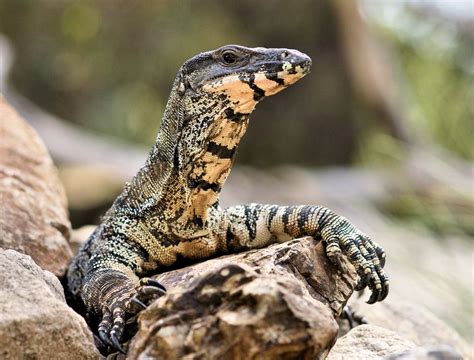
<point x="171" y="207"/>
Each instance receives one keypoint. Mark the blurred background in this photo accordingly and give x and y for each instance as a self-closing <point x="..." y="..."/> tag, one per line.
<point x="381" y="130"/>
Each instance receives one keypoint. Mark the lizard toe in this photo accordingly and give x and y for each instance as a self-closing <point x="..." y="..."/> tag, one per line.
<point x="374" y="296"/>
<point x="347" y="314"/>
<point x="134" y="301"/>
<point x="377" y="279"/>
<point x="375" y="284"/>
<point x="112" y="325"/>
<point x="147" y="291"/>
<point x="118" y="314"/>
<point x="353" y="318"/>
<point x="378" y="250"/>
<point x="104" y="337"/>
<point x="362" y="284"/>
<point x="115" y="343"/>
<point x="152" y="282"/>
<point x="104" y="327"/>
<point x="385" y="288"/>
<point x="334" y="252"/>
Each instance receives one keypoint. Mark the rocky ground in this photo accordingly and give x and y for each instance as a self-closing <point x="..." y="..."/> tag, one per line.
<point x="276" y="303"/>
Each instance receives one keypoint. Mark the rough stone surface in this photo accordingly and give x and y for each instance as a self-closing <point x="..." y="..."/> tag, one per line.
<point x="439" y="352"/>
<point x="271" y="303"/>
<point x="368" y="342"/>
<point x="33" y="215"/>
<point x="35" y="322"/>
<point x="303" y="260"/>
<point x="413" y="322"/>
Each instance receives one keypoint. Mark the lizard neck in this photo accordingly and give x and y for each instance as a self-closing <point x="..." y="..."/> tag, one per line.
<point x="189" y="163"/>
<point x="142" y="194"/>
<point x="201" y="174"/>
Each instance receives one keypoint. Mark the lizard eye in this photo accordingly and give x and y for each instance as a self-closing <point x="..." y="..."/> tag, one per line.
<point x="229" y="57"/>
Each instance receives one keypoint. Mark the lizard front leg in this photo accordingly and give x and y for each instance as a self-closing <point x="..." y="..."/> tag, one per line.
<point x="256" y="225"/>
<point x="111" y="287"/>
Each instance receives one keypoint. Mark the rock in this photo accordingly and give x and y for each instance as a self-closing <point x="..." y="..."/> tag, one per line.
<point x="34" y="217"/>
<point x="439" y="352"/>
<point x="366" y="342"/>
<point x="303" y="260"/>
<point x="277" y="302"/>
<point x="35" y="321"/>
<point x="414" y="322"/>
<point x="235" y="313"/>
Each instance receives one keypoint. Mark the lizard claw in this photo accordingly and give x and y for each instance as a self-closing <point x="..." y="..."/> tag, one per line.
<point x="374" y="297"/>
<point x="137" y="302"/>
<point x="152" y="282"/>
<point x="368" y="257"/>
<point x="103" y="335"/>
<point x="150" y="287"/>
<point x="115" y="343"/>
<point x="113" y="324"/>
<point x="362" y="284"/>
<point x="150" y="290"/>
<point x="109" y="337"/>
<point x="384" y="292"/>
<point x="104" y="327"/>
<point x="352" y="317"/>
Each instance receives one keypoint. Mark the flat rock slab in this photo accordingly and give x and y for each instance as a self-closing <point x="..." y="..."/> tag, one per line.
<point x="33" y="207"/>
<point x="273" y="303"/>
<point x="35" y="322"/>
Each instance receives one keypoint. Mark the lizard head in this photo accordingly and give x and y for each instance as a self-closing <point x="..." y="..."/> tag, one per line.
<point x="212" y="98"/>
<point x="242" y="76"/>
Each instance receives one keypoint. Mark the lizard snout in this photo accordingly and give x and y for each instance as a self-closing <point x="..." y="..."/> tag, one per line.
<point x="296" y="58"/>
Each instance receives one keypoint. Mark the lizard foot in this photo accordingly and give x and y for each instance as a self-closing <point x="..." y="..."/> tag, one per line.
<point x="112" y="325"/>
<point x="352" y="317"/>
<point x="148" y="290"/>
<point x="343" y="238"/>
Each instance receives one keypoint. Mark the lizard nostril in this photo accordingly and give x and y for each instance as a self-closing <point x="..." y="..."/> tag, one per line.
<point x="284" y="54"/>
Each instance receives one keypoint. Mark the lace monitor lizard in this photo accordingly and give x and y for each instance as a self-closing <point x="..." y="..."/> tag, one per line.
<point x="170" y="209"/>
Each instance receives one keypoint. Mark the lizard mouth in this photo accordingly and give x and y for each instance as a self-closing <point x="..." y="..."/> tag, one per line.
<point x="256" y="84"/>
<point x="280" y="72"/>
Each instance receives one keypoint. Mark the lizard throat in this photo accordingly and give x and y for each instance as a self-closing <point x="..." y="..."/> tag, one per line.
<point x="205" y="173"/>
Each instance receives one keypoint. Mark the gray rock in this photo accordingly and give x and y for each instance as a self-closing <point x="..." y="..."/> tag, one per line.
<point x="439" y="352"/>
<point x="35" y="321"/>
<point x="413" y="322"/>
<point x="367" y="342"/>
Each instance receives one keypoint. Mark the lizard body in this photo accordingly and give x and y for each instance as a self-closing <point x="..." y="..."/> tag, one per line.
<point x="171" y="207"/>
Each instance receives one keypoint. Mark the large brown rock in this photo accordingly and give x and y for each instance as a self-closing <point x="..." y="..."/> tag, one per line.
<point x="273" y="303"/>
<point x="303" y="260"/>
<point x="35" y="321"/>
<point x="33" y="215"/>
